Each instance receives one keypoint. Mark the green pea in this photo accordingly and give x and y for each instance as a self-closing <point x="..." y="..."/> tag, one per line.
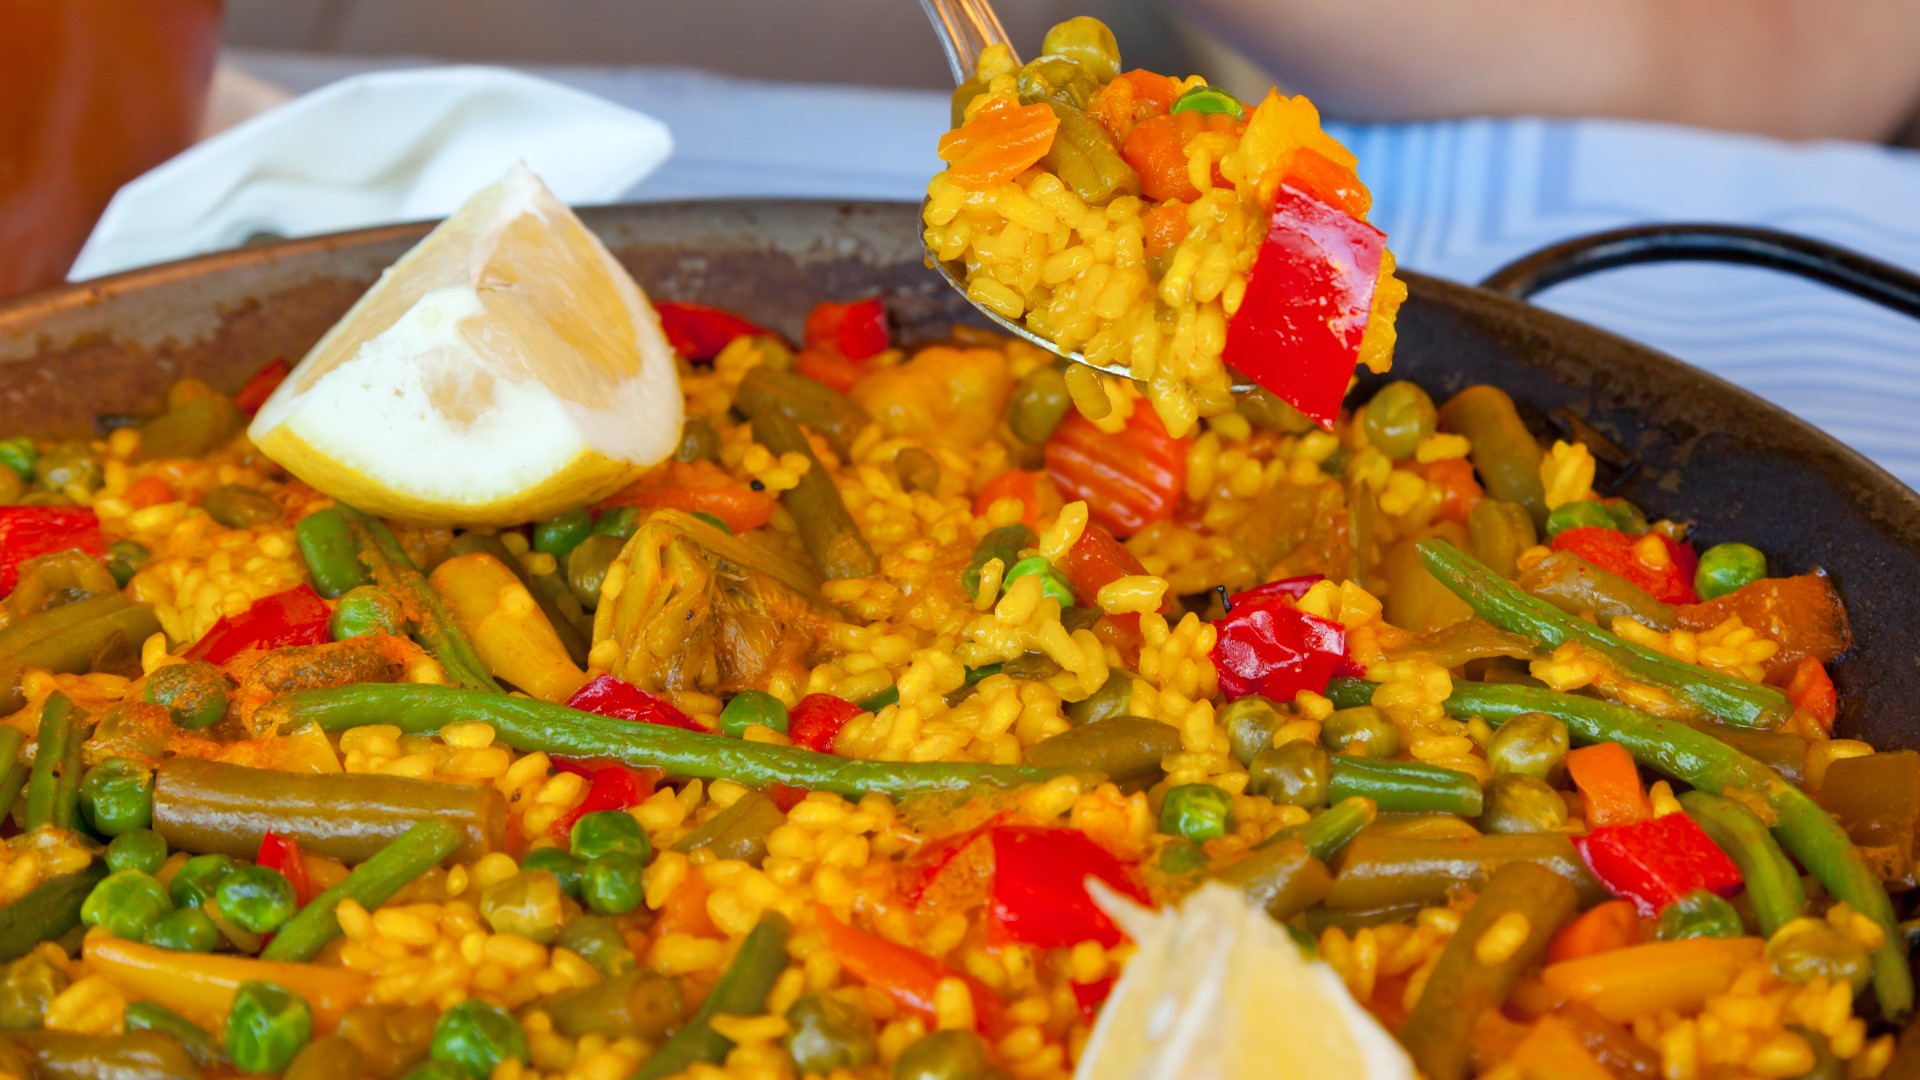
<point x="698" y="441"/>
<point x="1039" y="402"/>
<point x="1398" y="418"/>
<point x="609" y="832"/>
<point x="194" y="694"/>
<point x="29" y="985"/>
<point x="70" y="465"/>
<point x="1577" y="515"/>
<point x="558" y="535"/>
<point x="476" y="1037"/>
<point x="621" y="521"/>
<point x="1700" y="913"/>
<point x="587" y="566"/>
<point x="1808" y="947"/>
<point x="366" y="609"/>
<point x="714" y="521"/>
<point x="266" y="1027"/>
<point x="238" y="506"/>
<point x="137" y="849"/>
<point x="562" y="864"/>
<point x="18" y="454"/>
<point x="918" y="470"/>
<point x="1626" y="517"/>
<point x="257" y="899"/>
<point x="1727" y="567"/>
<point x="598" y="942"/>
<point x="526" y="904"/>
<point x="1531" y="744"/>
<point x="1362" y="730"/>
<point x="1052" y="582"/>
<point x="1250" y="722"/>
<point x="1182" y="858"/>
<point x="945" y="1055"/>
<point x="125" y="558"/>
<point x="184" y="930"/>
<point x="199" y="878"/>
<point x="146" y="1016"/>
<point x="751" y="707"/>
<point x="117" y="796"/>
<point x="1294" y="773"/>
<point x="611" y="885"/>
<point x="826" y="1032"/>
<point x="1087" y="40"/>
<point x="125" y="903"/>
<point x="1199" y="812"/>
<point x="1209" y="99"/>
<point x="1515" y="803"/>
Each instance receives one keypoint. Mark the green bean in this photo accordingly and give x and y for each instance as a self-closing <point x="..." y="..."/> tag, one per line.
<point x="1114" y="698"/>
<point x="527" y="725"/>
<point x="28" y="986"/>
<point x="1405" y="786"/>
<point x="550" y="591"/>
<point x="832" y="415"/>
<point x="587" y="567"/>
<point x="137" y="1055"/>
<point x="529" y="904"/>
<point x="891" y="695"/>
<point x="1578" y="587"/>
<point x="111" y="638"/>
<point x="328" y="547"/>
<point x="1388" y="871"/>
<point x="53" y="791"/>
<point x="1497" y="532"/>
<point x="21" y="633"/>
<point x="1281" y="879"/>
<point x="1123" y="748"/>
<point x="1518" y="803"/>
<point x="741" y="991"/>
<point x="13" y="771"/>
<point x="1732" y="700"/>
<point x="125" y="558"/>
<point x="200" y="1046"/>
<point x="1039" y="402"/>
<point x="597" y="941"/>
<point x="1003" y="543"/>
<point x="188" y="429"/>
<point x="917" y="469"/>
<point x="1088" y="41"/>
<point x="238" y="506"/>
<point x="1533" y="746"/>
<point x="1084" y="158"/>
<point x="1327" y="833"/>
<point x="434" y="626"/>
<point x="639" y="1003"/>
<point x="371" y="884"/>
<point x="213" y="807"/>
<point x="738" y="832"/>
<point x="1471" y="979"/>
<point x="1504" y="451"/>
<point x="49" y="910"/>
<point x="1059" y="80"/>
<point x="1773" y="885"/>
<point x="827" y="529"/>
<point x="1782" y="751"/>
<point x="1294" y="773"/>
<point x="1804" y="830"/>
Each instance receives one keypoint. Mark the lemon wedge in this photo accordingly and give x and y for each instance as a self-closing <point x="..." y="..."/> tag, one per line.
<point x="503" y="370"/>
<point x="1219" y="991"/>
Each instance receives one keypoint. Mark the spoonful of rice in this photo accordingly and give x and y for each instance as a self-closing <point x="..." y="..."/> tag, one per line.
<point x="1154" y="228"/>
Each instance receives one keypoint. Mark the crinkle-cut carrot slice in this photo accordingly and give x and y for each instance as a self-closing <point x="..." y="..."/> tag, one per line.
<point x="1002" y="141"/>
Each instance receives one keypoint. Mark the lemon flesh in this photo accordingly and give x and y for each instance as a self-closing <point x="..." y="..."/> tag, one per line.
<point x="505" y="369"/>
<point x="1219" y="991"/>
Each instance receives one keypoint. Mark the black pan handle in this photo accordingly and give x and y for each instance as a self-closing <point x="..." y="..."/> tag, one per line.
<point x="1868" y="278"/>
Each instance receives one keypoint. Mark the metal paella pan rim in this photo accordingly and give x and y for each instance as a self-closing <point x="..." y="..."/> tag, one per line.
<point x="1702" y="449"/>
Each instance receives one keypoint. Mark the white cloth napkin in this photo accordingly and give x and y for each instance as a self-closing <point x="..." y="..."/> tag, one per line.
<point x="369" y="150"/>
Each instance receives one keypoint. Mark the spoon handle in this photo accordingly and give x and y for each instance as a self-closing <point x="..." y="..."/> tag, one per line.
<point x="966" y="28"/>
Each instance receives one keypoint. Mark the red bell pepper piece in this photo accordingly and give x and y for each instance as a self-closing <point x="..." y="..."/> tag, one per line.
<point x="622" y="700"/>
<point x="831" y="370"/>
<point x="1095" y="561"/>
<point x="1657" y="861"/>
<point x="282" y="853"/>
<point x="30" y="531"/>
<point x="815" y="720"/>
<point x="699" y="331"/>
<point x="295" y="617"/>
<point x="261" y="386"/>
<point x="786" y="796"/>
<point x="1810" y="689"/>
<point x="1039" y="887"/>
<point x="1265" y="645"/>
<point x="1128" y="480"/>
<point x="1293" y="588"/>
<point x="1617" y="553"/>
<point x="856" y="331"/>
<point x="609" y="787"/>
<point x="1297" y="331"/>
<point x="908" y="976"/>
<point x="1090" y="996"/>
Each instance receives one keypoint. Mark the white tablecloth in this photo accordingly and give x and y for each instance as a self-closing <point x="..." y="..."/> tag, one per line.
<point x="1456" y="199"/>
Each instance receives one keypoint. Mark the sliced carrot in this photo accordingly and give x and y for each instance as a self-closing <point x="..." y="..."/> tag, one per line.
<point x="1645" y="980"/>
<point x="1810" y="689"/>
<point x="1312" y="172"/>
<point x="1002" y="141"/>
<point x="741" y="508"/>
<point x="1151" y="90"/>
<point x="1610" y="783"/>
<point x="1612" y="925"/>
<point x="685" y="910"/>
<point x="1553" y="1050"/>
<point x="1165" y="225"/>
<point x="1129" y="479"/>
<point x="148" y="491"/>
<point x="1157" y="150"/>
<point x="827" y="369"/>
<point x="1013" y="484"/>
<point x="1459" y="491"/>
<point x="906" y="975"/>
<point x="1130" y="98"/>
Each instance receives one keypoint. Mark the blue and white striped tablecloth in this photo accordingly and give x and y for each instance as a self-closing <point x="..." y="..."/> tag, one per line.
<point x="1456" y="199"/>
